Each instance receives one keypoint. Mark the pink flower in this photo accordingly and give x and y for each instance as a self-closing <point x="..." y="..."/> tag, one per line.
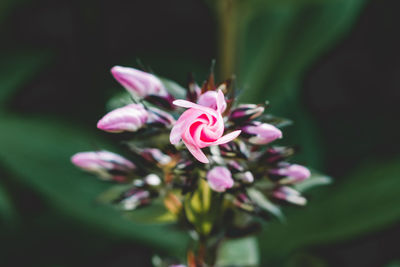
<point x="294" y="173"/>
<point x="219" y="179"/>
<point x="139" y="83"/>
<point x="105" y="164"/>
<point x="209" y="99"/>
<point x="129" y="118"/>
<point x="261" y="133"/>
<point x="200" y="127"/>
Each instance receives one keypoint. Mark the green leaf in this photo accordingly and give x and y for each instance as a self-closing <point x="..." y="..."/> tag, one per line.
<point x="8" y="213"/>
<point x="316" y="179"/>
<point x="38" y="151"/>
<point x="119" y="100"/>
<point x="364" y="202"/>
<point x="238" y="253"/>
<point x="174" y="89"/>
<point x="17" y="69"/>
<point x="259" y="199"/>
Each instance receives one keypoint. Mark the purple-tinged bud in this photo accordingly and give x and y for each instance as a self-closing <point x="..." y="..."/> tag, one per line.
<point x="245" y="177"/>
<point x="246" y="112"/>
<point x="152" y="180"/>
<point x="155" y="155"/>
<point x="129" y="118"/>
<point x="234" y="149"/>
<point x="290" y="195"/>
<point x="135" y="198"/>
<point x="159" y="117"/>
<point x="105" y="164"/>
<point x="261" y="133"/>
<point x="243" y="202"/>
<point x="290" y="174"/>
<point x="235" y="167"/>
<point x="209" y="99"/>
<point x="276" y="154"/>
<point x="177" y="265"/>
<point x="194" y="91"/>
<point x="139" y="83"/>
<point x="220" y="179"/>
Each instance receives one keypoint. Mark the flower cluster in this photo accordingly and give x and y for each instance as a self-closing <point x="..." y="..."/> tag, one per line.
<point x="209" y="159"/>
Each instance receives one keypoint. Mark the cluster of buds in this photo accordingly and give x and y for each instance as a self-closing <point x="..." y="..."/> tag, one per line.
<point x="205" y="142"/>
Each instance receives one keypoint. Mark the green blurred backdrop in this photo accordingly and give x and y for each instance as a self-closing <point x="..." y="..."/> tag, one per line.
<point x="332" y="66"/>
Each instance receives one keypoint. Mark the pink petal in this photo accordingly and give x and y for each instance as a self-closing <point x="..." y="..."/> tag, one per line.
<point x="227" y="138"/>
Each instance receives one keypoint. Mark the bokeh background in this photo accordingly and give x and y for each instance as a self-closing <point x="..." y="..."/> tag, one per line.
<point x="332" y="66"/>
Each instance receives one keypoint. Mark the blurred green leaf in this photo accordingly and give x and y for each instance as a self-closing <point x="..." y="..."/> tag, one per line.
<point x="316" y="179"/>
<point x="238" y="253"/>
<point x="39" y="152"/>
<point x="154" y="213"/>
<point x="17" y="68"/>
<point x="260" y="200"/>
<point x="364" y="202"/>
<point x="8" y="213"/>
<point x="174" y="89"/>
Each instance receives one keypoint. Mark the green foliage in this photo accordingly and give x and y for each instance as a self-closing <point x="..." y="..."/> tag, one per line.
<point x="238" y="252"/>
<point x="362" y="203"/>
<point x="41" y="152"/>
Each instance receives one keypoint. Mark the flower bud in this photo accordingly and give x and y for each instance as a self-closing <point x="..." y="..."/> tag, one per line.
<point x="274" y="155"/>
<point x="139" y="83"/>
<point x="159" y="117"/>
<point x="243" y="202"/>
<point x="246" y="112"/>
<point x="105" y="164"/>
<point x="290" y="174"/>
<point x="134" y="198"/>
<point x="261" y="133"/>
<point x="209" y="99"/>
<point x="245" y="177"/>
<point x="234" y="149"/>
<point x="129" y="118"/>
<point x="290" y="195"/>
<point x="194" y="91"/>
<point x="155" y="155"/>
<point x="220" y="179"/>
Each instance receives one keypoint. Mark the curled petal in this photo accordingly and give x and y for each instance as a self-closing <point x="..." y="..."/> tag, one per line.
<point x="210" y="99"/>
<point x="129" y="118"/>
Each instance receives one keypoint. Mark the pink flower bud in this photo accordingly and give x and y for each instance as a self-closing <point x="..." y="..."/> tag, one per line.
<point x="261" y="133"/>
<point x="105" y="164"/>
<point x="246" y="112"/>
<point x="155" y="155"/>
<point x="209" y="99"/>
<point x="200" y="127"/>
<point x="293" y="173"/>
<point x="139" y="83"/>
<point x="135" y="198"/>
<point x="129" y="118"/>
<point x="290" y="195"/>
<point x="219" y="179"/>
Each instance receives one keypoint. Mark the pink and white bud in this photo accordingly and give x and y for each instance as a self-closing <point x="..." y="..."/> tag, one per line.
<point x="245" y="177"/>
<point x="261" y="133"/>
<point x="160" y="118"/>
<point x="105" y="164"/>
<point x="136" y="198"/>
<point x="139" y="83"/>
<point x="209" y="99"/>
<point x="126" y="119"/>
<point x="293" y="173"/>
<point x="246" y="112"/>
<point x="290" y="195"/>
<point x="155" y="155"/>
<point x="219" y="179"/>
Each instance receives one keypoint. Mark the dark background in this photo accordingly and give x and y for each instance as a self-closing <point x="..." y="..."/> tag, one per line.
<point x="340" y="61"/>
